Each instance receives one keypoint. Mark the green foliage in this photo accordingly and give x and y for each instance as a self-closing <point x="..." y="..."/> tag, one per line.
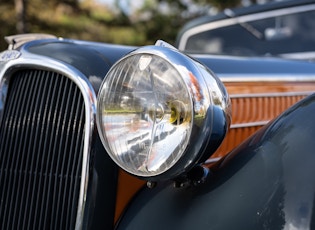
<point x="222" y="4"/>
<point x="7" y="24"/>
<point x="85" y="19"/>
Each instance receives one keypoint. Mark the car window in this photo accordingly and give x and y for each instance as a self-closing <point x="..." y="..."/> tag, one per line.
<point x="272" y="36"/>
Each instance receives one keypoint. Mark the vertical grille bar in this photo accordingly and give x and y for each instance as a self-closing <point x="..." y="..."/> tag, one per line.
<point x="41" y="150"/>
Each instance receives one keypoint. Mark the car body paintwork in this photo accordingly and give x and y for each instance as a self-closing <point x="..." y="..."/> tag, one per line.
<point x="266" y="183"/>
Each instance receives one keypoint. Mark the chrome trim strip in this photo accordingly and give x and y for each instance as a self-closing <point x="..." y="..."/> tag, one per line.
<point x="248" y="124"/>
<point x="299" y="55"/>
<point x="212" y="160"/>
<point x="241" y="19"/>
<point x="248" y="77"/>
<point x="31" y="60"/>
<point x="264" y="95"/>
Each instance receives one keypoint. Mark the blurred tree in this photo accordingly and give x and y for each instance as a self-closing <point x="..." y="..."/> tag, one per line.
<point x="21" y="11"/>
<point x="221" y="4"/>
<point x="73" y="3"/>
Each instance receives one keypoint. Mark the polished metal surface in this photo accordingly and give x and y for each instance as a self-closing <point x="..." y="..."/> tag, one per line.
<point x="210" y="117"/>
<point x="30" y="61"/>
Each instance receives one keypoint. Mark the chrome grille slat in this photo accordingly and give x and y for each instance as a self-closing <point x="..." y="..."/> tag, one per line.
<point x="43" y="107"/>
<point x="55" y="145"/>
<point x="29" y="105"/>
<point x="41" y="151"/>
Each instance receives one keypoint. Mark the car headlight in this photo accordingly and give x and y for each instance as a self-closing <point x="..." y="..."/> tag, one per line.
<point x="160" y="112"/>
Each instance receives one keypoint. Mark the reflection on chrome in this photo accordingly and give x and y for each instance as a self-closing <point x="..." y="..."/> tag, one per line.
<point x="158" y="110"/>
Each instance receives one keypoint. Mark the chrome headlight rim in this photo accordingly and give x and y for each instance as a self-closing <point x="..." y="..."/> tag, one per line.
<point x="202" y="115"/>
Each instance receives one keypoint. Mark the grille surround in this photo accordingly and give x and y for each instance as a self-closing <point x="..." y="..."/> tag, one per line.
<point x="78" y="81"/>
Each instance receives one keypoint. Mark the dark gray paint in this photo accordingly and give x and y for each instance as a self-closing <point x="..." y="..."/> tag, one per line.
<point x="95" y="59"/>
<point x="267" y="183"/>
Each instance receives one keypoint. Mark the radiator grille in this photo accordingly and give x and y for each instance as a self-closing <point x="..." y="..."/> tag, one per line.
<point x="41" y="148"/>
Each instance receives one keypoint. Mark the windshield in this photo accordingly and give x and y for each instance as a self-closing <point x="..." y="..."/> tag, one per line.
<point x="283" y="35"/>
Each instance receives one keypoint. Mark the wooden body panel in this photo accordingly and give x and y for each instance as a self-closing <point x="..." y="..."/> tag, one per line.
<point x="255" y="103"/>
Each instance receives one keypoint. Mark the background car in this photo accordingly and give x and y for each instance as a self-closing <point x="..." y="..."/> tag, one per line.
<point x="279" y="28"/>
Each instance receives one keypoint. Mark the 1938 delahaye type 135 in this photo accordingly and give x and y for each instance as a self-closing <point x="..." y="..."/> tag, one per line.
<point x="84" y="125"/>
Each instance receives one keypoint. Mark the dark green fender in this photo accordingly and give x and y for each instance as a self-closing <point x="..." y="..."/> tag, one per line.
<point x="266" y="183"/>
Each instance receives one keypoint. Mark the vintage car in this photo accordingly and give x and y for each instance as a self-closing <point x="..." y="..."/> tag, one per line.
<point x="279" y="28"/>
<point x="102" y="136"/>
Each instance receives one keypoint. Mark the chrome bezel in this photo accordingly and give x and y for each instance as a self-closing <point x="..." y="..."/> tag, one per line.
<point x="28" y="60"/>
<point x="201" y="119"/>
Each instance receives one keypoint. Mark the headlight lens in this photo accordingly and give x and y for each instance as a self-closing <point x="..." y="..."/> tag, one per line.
<point x="148" y="106"/>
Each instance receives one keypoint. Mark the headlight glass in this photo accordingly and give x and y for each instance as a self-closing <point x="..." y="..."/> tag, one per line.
<point x="145" y="114"/>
